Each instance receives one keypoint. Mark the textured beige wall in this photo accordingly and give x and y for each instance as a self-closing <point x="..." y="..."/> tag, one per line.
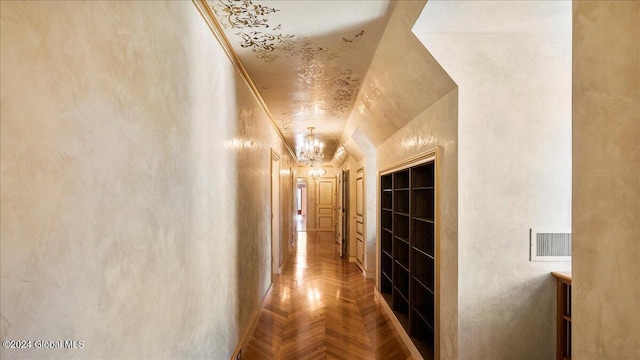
<point x="370" y="177"/>
<point x="407" y="105"/>
<point x="512" y="64"/>
<point x="128" y="146"/>
<point x="437" y="127"/>
<point x="402" y="81"/>
<point x="606" y="180"/>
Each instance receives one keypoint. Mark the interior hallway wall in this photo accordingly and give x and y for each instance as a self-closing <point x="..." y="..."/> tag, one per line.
<point x="511" y="61"/>
<point x="408" y="105"/>
<point x="437" y="127"/>
<point x="135" y="193"/>
<point x="606" y="180"/>
<point x="370" y="174"/>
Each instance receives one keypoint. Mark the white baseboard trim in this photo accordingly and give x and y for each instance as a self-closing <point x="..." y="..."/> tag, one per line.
<point x="394" y="320"/>
<point x="252" y="326"/>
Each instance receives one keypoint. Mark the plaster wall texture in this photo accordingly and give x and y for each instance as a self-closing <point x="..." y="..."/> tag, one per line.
<point x="407" y="105"/>
<point x="437" y="127"/>
<point x="512" y="65"/>
<point x="606" y="180"/>
<point x="370" y="173"/>
<point x="402" y="81"/>
<point x="135" y="193"/>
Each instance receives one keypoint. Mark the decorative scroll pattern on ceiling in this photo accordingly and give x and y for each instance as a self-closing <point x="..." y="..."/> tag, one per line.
<point x="243" y="13"/>
<point x="269" y="43"/>
<point x="347" y="85"/>
<point x="247" y="16"/>
<point x="263" y="43"/>
<point x="286" y="127"/>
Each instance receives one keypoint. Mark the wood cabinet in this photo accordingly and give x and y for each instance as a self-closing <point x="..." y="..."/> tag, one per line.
<point x="563" y="316"/>
<point x="407" y="256"/>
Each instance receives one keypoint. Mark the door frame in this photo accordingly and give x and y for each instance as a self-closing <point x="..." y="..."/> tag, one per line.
<point x="276" y="226"/>
<point x="424" y="157"/>
<point x="344" y="243"/>
<point x="360" y="217"/>
<point x="319" y="205"/>
<point x="302" y="184"/>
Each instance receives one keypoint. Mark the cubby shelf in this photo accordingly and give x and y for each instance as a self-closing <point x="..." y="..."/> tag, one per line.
<point x="408" y="250"/>
<point x="563" y="316"/>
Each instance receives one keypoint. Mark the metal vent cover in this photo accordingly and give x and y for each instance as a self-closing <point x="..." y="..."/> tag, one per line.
<point x="550" y="245"/>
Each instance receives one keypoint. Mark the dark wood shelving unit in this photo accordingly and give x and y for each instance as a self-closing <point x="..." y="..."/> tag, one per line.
<point x="563" y="317"/>
<point x="407" y="254"/>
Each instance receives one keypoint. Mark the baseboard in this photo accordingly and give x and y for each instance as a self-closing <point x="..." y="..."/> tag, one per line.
<point x="394" y="320"/>
<point x="252" y="326"/>
<point x="352" y="259"/>
<point x="369" y="274"/>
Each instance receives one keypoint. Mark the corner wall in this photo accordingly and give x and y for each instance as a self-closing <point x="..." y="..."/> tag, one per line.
<point x="370" y="174"/>
<point x="135" y="196"/>
<point x="408" y="105"/>
<point x="437" y="126"/>
<point x="606" y="180"/>
<point x="512" y="64"/>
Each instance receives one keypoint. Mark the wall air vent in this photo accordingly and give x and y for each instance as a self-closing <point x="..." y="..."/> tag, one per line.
<point x="550" y="245"/>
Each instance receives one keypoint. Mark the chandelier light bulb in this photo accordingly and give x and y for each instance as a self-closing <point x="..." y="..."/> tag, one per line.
<point x="312" y="151"/>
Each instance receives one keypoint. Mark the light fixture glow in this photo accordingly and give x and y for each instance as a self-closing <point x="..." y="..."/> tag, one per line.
<point x="317" y="172"/>
<point x="312" y="151"/>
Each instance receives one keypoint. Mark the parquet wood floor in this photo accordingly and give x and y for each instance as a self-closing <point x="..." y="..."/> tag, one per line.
<point x="322" y="307"/>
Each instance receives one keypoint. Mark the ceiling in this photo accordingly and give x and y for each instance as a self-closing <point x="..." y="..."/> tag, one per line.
<point x="308" y="59"/>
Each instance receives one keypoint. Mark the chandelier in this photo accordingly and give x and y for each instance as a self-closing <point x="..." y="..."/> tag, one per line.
<point x="312" y="150"/>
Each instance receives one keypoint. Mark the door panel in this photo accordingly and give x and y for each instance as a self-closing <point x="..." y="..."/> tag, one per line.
<point x="326" y="223"/>
<point x="326" y="204"/>
<point x="345" y="213"/>
<point x="360" y="217"/>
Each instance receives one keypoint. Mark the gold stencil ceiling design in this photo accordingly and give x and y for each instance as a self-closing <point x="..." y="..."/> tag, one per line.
<point x="306" y="58"/>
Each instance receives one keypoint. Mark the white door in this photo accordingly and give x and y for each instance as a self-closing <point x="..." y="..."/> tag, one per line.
<point x="360" y="217"/>
<point x="338" y="213"/>
<point x="344" y="241"/>
<point x="326" y="204"/>
<point x="276" y="249"/>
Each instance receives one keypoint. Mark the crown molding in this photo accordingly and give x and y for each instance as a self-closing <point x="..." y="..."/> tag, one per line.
<point x="218" y="33"/>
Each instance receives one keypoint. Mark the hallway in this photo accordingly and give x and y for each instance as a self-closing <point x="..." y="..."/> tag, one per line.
<point x="321" y="307"/>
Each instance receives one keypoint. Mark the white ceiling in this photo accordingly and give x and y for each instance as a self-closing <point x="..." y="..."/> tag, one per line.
<point x="495" y="17"/>
<point x="307" y="59"/>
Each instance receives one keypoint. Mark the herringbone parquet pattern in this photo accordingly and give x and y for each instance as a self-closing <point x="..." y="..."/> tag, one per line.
<point x="322" y="307"/>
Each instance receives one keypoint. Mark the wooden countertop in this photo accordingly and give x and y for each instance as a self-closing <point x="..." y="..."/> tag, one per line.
<point x="564" y="276"/>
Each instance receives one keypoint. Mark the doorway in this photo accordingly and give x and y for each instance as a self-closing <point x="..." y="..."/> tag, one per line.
<point x="326" y="203"/>
<point x="345" y="215"/>
<point x="360" y="218"/>
<point x="301" y="204"/>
